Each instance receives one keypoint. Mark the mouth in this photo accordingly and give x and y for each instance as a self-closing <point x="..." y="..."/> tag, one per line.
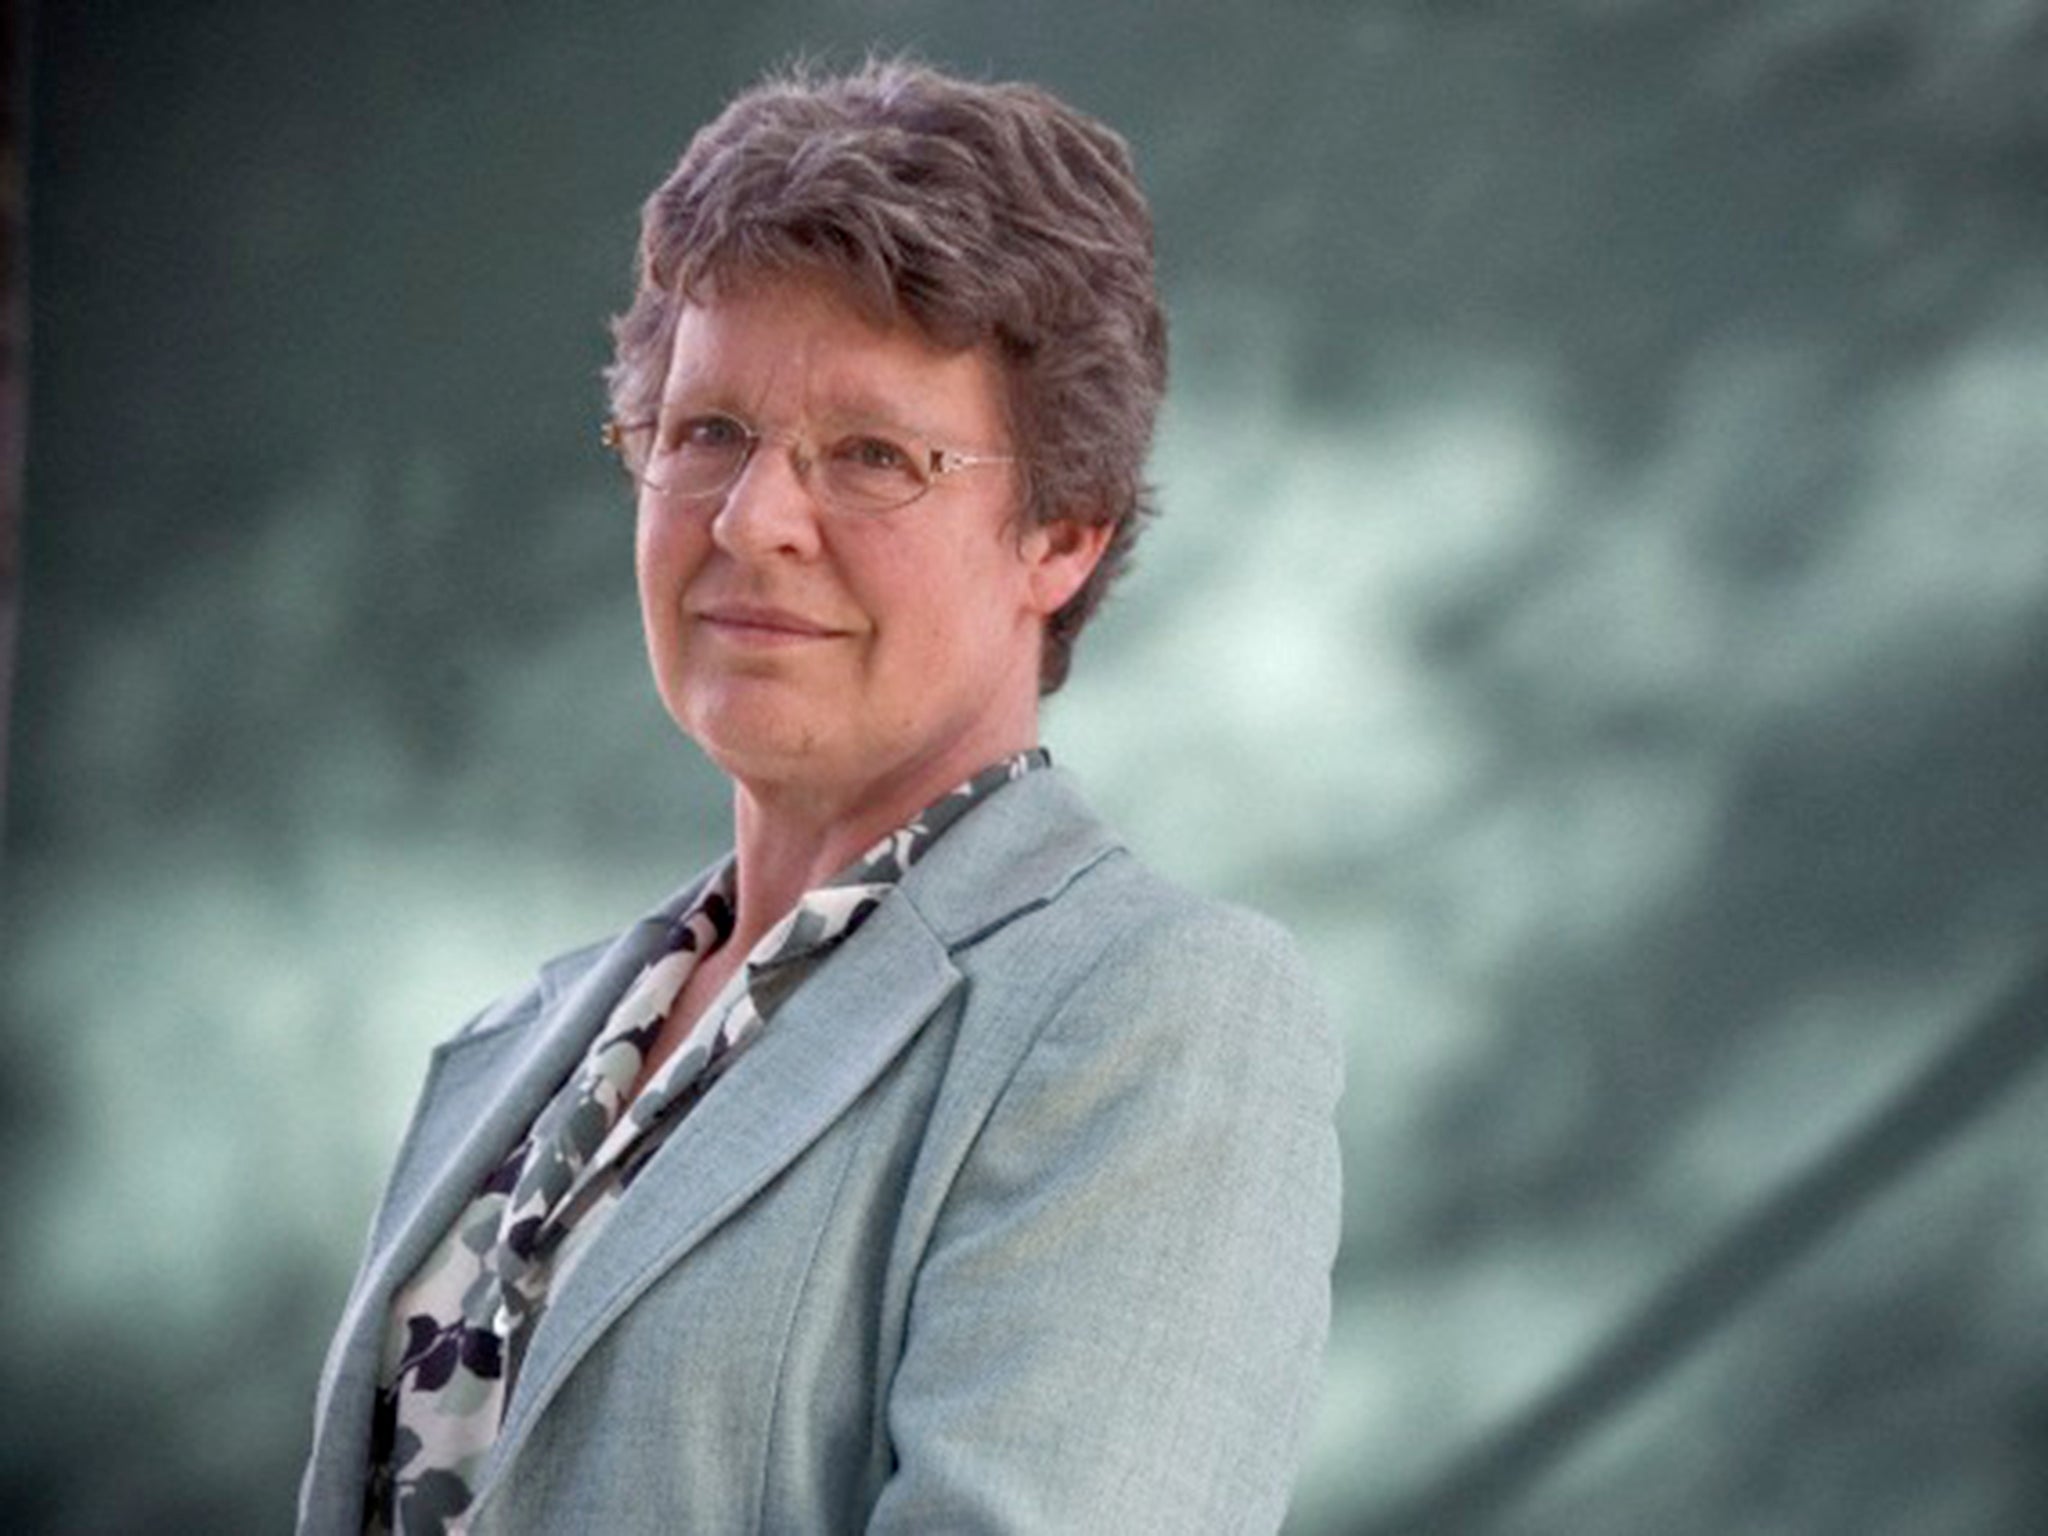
<point x="759" y="624"/>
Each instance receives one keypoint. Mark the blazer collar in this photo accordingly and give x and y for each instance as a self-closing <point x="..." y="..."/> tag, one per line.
<point x="1013" y="853"/>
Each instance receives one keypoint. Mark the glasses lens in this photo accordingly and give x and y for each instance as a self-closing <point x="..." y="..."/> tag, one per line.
<point x="696" y="456"/>
<point x="865" y="473"/>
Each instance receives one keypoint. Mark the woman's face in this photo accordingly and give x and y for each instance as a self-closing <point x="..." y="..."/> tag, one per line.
<point x="850" y="660"/>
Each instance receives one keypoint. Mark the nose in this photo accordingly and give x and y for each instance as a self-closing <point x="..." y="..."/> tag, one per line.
<point x="769" y="508"/>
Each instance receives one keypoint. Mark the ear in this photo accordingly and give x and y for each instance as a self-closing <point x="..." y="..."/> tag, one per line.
<point x="1058" y="557"/>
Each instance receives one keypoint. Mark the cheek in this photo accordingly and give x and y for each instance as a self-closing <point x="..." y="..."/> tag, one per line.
<point x="953" y="635"/>
<point x="916" y="613"/>
<point x="664" y="556"/>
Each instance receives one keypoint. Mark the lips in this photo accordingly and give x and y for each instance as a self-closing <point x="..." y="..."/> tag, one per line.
<point x="761" y="623"/>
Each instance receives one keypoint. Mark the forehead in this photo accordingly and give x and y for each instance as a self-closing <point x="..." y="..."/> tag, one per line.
<point x="798" y="348"/>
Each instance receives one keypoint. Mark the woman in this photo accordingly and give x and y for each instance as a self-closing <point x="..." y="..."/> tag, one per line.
<point x="929" y="1164"/>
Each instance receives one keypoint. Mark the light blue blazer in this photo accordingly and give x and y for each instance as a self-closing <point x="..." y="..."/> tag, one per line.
<point x="1019" y="1217"/>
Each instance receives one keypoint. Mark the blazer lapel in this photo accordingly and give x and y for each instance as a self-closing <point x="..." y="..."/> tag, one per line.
<point x="483" y="1090"/>
<point x="833" y="1037"/>
<point x="826" y="1045"/>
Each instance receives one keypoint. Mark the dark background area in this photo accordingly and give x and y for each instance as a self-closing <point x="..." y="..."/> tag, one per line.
<point x="1602" y="606"/>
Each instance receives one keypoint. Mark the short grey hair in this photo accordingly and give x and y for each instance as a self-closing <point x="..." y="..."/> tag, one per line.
<point x="984" y="214"/>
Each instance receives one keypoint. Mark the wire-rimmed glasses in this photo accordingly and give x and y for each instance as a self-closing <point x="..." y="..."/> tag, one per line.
<point x="697" y="457"/>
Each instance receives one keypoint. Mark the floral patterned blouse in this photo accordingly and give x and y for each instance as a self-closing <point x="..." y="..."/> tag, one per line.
<point x="460" y="1325"/>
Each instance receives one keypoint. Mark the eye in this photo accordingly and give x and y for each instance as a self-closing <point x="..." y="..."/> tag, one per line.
<point x="869" y="453"/>
<point x="710" y="432"/>
<point x="864" y="472"/>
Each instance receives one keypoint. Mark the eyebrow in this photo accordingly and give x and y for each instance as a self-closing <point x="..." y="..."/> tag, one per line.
<point x="861" y="414"/>
<point x="859" y="408"/>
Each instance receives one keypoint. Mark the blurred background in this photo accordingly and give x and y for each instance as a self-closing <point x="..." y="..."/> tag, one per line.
<point x="1601" y="606"/>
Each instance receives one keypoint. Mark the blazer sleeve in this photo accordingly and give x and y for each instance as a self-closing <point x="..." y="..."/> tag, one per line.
<point x="1120" y="1319"/>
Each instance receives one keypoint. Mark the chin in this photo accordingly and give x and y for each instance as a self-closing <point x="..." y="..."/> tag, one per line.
<point x="752" y="741"/>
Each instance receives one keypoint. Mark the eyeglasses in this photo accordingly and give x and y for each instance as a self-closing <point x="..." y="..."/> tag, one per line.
<point x="694" y="458"/>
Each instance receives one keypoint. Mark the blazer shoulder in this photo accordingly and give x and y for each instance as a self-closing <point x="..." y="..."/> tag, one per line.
<point x="557" y="978"/>
<point x="1133" y="962"/>
<point x="522" y="1003"/>
<point x="1134" y="916"/>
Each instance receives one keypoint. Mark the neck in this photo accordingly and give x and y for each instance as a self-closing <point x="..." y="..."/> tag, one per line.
<point x="787" y="842"/>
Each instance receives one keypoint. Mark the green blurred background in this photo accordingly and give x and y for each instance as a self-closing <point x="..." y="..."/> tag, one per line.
<point x="1602" y="606"/>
